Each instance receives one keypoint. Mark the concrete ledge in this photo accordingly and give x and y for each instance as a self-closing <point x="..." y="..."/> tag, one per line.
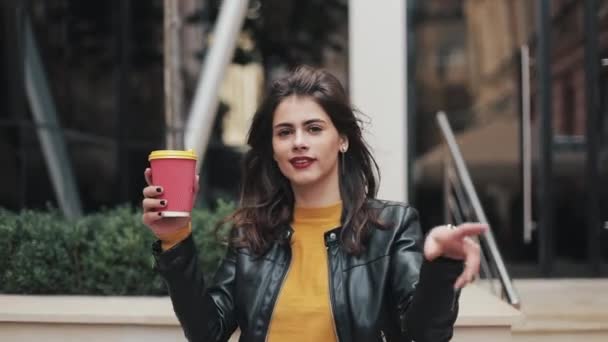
<point x="86" y="318"/>
<point x="478" y="307"/>
<point x="563" y="310"/>
<point x="79" y="318"/>
<point x="64" y="332"/>
<point x="484" y="317"/>
<point x="555" y="310"/>
<point x="87" y="310"/>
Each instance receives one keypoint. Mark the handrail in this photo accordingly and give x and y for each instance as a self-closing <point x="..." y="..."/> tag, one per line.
<point x="458" y="210"/>
<point x="488" y="237"/>
<point x="457" y="206"/>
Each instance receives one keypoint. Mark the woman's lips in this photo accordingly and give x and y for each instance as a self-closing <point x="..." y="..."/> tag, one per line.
<point x="301" y="163"/>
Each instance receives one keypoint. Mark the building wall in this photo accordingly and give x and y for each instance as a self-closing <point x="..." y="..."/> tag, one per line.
<point x="496" y="29"/>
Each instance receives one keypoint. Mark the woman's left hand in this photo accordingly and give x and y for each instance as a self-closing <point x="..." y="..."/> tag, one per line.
<point x="457" y="244"/>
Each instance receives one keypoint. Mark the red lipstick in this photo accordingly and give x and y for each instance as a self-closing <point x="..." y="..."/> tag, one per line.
<point x="301" y="162"/>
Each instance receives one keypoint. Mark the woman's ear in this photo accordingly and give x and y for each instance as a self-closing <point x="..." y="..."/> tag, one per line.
<point x="343" y="143"/>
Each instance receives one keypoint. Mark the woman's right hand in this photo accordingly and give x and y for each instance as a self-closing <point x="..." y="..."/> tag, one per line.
<point x="160" y="226"/>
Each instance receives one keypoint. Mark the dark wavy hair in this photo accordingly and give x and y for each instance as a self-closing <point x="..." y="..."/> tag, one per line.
<point x="267" y="199"/>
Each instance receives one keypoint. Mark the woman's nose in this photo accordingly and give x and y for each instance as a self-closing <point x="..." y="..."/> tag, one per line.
<point x="299" y="141"/>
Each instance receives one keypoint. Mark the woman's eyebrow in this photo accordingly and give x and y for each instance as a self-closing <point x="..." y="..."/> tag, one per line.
<point x="306" y="122"/>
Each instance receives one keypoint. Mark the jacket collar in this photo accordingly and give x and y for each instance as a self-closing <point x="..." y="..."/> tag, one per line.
<point x="331" y="237"/>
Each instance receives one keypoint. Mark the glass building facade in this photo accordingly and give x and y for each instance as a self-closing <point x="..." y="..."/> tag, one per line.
<point x="468" y="60"/>
<point x="104" y="64"/>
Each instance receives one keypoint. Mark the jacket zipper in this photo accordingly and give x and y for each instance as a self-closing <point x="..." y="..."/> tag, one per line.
<point x="331" y="296"/>
<point x="276" y="298"/>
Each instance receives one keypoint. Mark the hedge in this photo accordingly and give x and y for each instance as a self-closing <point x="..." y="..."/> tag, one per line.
<point x="104" y="253"/>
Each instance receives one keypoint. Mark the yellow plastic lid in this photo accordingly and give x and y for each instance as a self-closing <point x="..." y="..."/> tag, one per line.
<point x="172" y="154"/>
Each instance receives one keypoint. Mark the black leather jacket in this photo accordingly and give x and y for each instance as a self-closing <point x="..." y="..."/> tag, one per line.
<point x="388" y="293"/>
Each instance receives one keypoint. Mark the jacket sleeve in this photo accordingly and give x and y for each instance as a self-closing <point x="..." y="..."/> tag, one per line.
<point x="427" y="304"/>
<point x="205" y="314"/>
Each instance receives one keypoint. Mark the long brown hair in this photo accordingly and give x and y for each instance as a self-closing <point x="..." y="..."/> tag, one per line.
<point x="267" y="200"/>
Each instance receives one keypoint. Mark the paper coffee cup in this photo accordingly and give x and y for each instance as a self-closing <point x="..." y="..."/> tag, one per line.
<point x="174" y="171"/>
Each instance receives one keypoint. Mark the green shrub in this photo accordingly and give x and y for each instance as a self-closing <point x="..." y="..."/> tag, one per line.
<point x="105" y="253"/>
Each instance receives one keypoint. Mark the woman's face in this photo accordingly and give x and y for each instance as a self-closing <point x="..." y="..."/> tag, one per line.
<point x="306" y="143"/>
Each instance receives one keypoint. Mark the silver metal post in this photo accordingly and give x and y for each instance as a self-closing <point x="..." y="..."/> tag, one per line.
<point x="204" y="107"/>
<point x="49" y="131"/>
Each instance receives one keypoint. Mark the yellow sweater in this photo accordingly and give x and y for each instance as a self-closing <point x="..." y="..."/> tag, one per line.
<point x="302" y="311"/>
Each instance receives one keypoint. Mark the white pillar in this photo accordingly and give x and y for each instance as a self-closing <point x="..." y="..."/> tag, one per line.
<point x="377" y="74"/>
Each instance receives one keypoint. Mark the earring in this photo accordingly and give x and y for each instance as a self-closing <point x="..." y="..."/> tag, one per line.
<point x="342" y="153"/>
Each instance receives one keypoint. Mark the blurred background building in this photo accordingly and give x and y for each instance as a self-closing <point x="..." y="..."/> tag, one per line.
<point x="468" y="62"/>
<point x="104" y="64"/>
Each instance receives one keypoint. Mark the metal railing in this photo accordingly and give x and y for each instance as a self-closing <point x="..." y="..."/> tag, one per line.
<point x="462" y="204"/>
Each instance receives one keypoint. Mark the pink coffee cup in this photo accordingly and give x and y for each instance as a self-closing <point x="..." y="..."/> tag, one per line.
<point x="174" y="171"/>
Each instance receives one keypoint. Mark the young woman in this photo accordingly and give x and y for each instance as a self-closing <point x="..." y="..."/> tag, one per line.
<point x="313" y="255"/>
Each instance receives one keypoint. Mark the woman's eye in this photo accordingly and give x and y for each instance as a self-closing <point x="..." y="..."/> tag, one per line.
<point x="283" y="132"/>
<point x="315" y="129"/>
